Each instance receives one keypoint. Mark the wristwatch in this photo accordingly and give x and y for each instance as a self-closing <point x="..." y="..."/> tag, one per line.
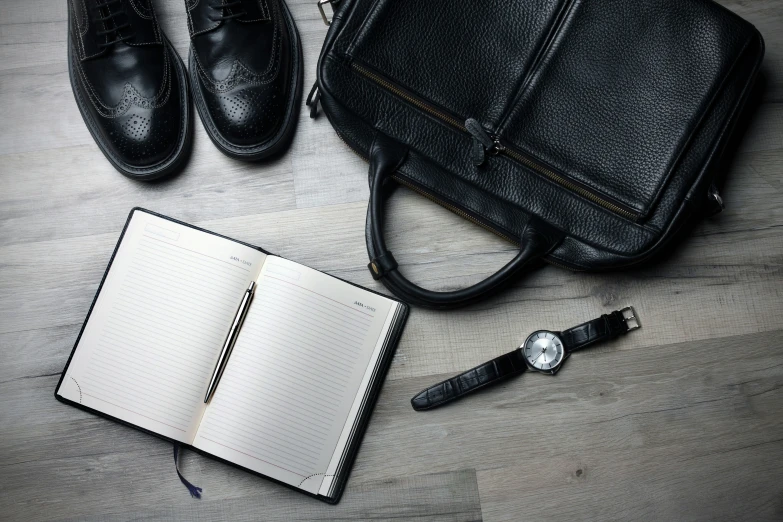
<point x="543" y="351"/>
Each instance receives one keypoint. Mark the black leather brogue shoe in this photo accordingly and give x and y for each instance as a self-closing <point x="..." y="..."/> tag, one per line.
<point x="130" y="85"/>
<point x="245" y="73"/>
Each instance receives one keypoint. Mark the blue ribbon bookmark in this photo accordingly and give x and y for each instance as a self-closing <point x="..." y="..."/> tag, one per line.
<point x="195" y="491"/>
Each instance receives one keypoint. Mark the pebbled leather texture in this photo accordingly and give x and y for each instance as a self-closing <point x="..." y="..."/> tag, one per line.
<point x="246" y="73"/>
<point x="491" y="372"/>
<point x="130" y="86"/>
<point x="637" y="122"/>
<point x="606" y="327"/>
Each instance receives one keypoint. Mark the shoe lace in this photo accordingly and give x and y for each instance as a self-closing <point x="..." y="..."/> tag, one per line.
<point x="111" y="23"/>
<point x="228" y="9"/>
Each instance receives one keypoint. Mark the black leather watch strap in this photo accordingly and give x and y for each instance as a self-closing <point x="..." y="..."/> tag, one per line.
<point x="604" y="328"/>
<point x="483" y="375"/>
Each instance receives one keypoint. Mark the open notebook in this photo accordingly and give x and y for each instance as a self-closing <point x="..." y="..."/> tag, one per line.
<point x="299" y="385"/>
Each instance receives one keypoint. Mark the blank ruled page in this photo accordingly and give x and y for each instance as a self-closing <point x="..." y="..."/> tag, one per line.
<point x="150" y="345"/>
<point x="294" y="373"/>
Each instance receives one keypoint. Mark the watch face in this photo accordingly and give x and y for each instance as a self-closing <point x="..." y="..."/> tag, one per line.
<point x="543" y="351"/>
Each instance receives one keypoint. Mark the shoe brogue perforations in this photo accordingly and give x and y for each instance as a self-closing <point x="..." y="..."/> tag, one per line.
<point x="246" y="115"/>
<point x="245" y="71"/>
<point x="132" y="94"/>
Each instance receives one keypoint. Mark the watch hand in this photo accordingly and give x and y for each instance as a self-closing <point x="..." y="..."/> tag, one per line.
<point x="606" y="327"/>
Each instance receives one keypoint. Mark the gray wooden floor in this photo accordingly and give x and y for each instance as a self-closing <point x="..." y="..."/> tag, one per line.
<point x="683" y="420"/>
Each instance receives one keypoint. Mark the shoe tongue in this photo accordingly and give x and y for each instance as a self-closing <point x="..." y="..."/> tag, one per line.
<point x="142" y="25"/>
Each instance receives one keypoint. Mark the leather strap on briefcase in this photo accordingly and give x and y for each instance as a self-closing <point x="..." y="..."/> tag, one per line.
<point x="586" y="132"/>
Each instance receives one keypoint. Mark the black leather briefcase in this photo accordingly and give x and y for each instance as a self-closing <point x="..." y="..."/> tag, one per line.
<point x="586" y="131"/>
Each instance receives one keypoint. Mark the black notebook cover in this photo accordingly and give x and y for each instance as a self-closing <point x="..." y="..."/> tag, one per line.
<point x="358" y="434"/>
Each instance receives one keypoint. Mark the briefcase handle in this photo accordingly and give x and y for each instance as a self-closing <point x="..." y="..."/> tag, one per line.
<point x="386" y="156"/>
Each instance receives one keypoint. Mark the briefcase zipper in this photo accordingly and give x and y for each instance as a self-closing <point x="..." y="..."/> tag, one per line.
<point x="408" y="97"/>
<point x="499" y="147"/>
<point x="570" y="185"/>
<point x="461" y="213"/>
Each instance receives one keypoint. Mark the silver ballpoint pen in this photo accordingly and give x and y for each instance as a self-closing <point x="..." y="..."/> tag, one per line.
<point x="233" y="333"/>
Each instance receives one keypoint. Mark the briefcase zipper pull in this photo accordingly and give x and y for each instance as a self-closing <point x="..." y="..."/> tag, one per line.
<point x="483" y="142"/>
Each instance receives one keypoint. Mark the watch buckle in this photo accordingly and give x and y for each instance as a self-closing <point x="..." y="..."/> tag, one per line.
<point x="630" y="318"/>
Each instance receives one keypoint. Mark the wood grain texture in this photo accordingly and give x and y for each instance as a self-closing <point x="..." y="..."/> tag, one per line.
<point x="682" y="420"/>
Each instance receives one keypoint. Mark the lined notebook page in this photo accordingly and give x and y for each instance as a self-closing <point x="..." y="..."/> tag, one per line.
<point x="296" y="368"/>
<point x="153" y="337"/>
